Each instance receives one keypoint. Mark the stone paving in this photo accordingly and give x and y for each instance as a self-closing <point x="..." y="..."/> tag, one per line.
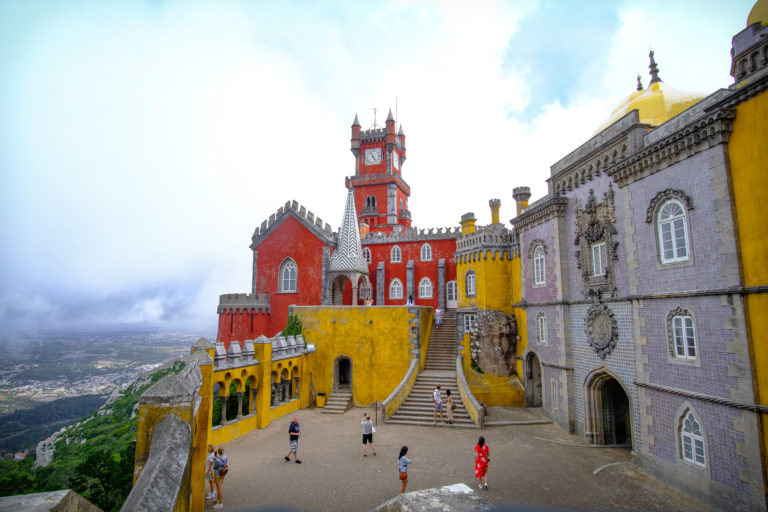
<point x="531" y="465"/>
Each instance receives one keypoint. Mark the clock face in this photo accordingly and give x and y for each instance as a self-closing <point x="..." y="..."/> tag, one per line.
<point x="395" y="160"/>
<point x="372" y="156"/>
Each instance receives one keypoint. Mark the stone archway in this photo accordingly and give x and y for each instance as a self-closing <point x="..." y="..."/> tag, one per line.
<point x="532" y="381"/>
<point x="337" y="290"/>
<point x="342" y="373"/>
<point x="608" y="415"/>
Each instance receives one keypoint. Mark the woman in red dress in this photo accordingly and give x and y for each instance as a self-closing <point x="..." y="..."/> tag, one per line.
<point x="482" y="456"/>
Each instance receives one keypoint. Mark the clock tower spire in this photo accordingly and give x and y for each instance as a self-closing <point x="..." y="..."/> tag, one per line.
<point x="381" y="195"/>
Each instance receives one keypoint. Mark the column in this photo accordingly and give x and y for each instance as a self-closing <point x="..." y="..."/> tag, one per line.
<point x="223" y="410"/>
<point x="239" y="405"/>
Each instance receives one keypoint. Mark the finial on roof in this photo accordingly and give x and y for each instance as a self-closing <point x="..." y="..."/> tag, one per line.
<point x="390" y="117"/>
<point x="639" y="84"/>
<point x="356" y="123"/>
<point x="654" y="69"/>
<point x="400" y="132"/>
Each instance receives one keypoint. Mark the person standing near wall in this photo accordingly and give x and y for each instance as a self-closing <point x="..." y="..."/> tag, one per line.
<point x="294" y="432"/>
<point x="209" y="472"/>
<point x="368" y="431"/>
<point x="219" y="472"/>
<point x="482" y="457"/>
<point x="438" y="317"/>
<point x="402" y="467"/>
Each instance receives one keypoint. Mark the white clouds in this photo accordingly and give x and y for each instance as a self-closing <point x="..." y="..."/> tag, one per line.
<point x="142" y="143"/>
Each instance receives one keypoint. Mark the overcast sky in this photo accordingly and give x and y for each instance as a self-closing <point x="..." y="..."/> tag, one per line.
<point x="142" y="142"/>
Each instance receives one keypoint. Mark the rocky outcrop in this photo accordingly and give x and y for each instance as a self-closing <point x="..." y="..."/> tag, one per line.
<point x="493" y="342"/>
<point x="456" y="498"/>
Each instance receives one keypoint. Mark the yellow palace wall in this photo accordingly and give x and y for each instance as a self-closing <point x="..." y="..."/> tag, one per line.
<point x="748" y="152"/>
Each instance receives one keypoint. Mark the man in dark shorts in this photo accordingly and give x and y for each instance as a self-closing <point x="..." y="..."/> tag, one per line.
<point x="294" y="432"/>
<point x="367" y="424"/>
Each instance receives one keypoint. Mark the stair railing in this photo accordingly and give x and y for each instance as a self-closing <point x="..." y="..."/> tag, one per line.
<point x="474" y="408"/>
<point x="393" y="402"/>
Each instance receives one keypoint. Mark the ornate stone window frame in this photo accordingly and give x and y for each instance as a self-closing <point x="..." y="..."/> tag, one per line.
<point x="652" y="215"/>
<point x="537" y="254"/>
<point x="395" y="254"/>
<point x="542" y="334"/>
<point x="288" y="284"/>
<point x="691" y="441"/>
<point x="395" y="289"/>
<point x="425" y="288"/>
<point x="594" y="224"/>
<point x="602" y="329"/>
<point x="470" y="282"/>
<point x="367" y="255"/>
<point x="426" y="252"/>
<point x="674" y="357"/>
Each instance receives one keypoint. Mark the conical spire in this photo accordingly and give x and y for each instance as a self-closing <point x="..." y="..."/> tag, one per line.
<point x="348" y="255"/>
<point x="400" y="132"/>
<point x="390" y="117"/>
<point x="654" y="69"/>
<point x="356" y="123"/>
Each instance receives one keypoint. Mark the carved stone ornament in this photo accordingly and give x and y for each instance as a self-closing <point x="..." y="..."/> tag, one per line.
<point x="493" y="342"/>
<point x="594" y="224"/>
<point x="602" y="329"/>
<point x="662" y="198"/>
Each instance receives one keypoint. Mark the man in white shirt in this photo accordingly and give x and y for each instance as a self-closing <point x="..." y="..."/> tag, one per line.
<point x="438" y="400"/>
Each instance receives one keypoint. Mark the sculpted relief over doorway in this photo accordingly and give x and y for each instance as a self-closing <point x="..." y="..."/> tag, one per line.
<point x="493" y="342"/>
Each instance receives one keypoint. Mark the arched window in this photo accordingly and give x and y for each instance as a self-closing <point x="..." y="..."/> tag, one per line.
<point x="539" y="267"/>
<point x="672" y="232"/>
<point x="395" y="255"/>
<point x="692" y="440"/>
<point x="367" y="255"/>
<point x="681" y="331"/>
<point x="288" y="276"/>
<point x="425" y="288"/>
<point x="426" y="252"/>
<point x="471" y="284"/>
<point x="541" y="328"/>
<point x="395" y="289"/>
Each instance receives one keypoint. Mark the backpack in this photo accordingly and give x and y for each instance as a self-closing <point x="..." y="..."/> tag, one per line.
<point x="221" y="465"/>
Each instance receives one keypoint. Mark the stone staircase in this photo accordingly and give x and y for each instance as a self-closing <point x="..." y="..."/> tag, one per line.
<point x="440" y="368"/>
<point x="339" y="401"/>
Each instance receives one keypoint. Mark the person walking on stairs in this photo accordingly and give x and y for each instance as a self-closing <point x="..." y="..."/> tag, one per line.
<point x="449" y="406"/>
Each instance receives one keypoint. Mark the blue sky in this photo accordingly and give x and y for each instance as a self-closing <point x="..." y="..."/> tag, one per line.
<point x="142" y="142"/>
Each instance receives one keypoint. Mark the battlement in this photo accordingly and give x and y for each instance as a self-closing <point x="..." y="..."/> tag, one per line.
<point x="488" y="238"/>
<point x="373" y="135"/>
<point x="239" y="356"/>
<point x="411" y="235"/>
<point x="378" y="177"/>
<point x="233" y="302"/>
<point x="305" y="216"/>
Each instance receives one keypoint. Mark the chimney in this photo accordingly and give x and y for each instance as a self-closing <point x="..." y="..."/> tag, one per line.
<point x="521" y="195"/>
<point x="468" y="223"/>
<point x="494" y="204"/>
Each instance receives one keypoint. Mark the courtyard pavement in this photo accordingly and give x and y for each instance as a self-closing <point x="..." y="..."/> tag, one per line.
<point x="531" y="465"/>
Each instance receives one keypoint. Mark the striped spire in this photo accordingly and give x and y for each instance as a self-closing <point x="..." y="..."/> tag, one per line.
<point x="348" y="255"/>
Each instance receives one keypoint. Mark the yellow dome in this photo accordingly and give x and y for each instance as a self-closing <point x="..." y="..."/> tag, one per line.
<point x="656" y="104"/>
<point x="759" y="13"/>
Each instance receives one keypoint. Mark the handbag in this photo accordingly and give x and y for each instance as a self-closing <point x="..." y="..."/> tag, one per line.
<point x="223" y="471"/>
<point x="453" y="407"/>
<point x="403" y="475"/>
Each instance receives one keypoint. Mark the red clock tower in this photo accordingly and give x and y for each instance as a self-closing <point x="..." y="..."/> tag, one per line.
<point x="381" y="194"/>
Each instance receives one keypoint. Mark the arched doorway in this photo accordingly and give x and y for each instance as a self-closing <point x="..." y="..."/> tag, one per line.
<point x="337" y="292"/>
<point x="533" y="381"/>
<point x="342" y="373"/>
<point x="608" y="414"/>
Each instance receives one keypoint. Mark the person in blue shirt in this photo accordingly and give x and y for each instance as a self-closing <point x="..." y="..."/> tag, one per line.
<point x="294" y="432"/>
<point x="402" y="467"/>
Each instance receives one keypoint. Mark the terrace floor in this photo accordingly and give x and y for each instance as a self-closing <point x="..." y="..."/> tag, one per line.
<point x="531" y="465"/>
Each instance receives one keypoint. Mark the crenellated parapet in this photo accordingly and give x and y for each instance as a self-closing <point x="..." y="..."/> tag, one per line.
<point x="243" y="302"/>
<point x="286" y="347"/>
<point x="494" y="242"/>
<point x="411" y="235"/>
<point x="241" y="356"/>
<point x="378" y="177"/>
<point x="306" y="217"/>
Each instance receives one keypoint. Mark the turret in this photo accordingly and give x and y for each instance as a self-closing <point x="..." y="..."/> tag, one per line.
<point x="401" y="134"/>
<point x="355" y="137"/>
<point x="494" y="204"/>
<point x="521" y="196"/>
<point x="467" y="223"/>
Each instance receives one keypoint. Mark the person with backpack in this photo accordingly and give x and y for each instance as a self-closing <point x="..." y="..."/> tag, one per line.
<point x="220" y="470"/>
